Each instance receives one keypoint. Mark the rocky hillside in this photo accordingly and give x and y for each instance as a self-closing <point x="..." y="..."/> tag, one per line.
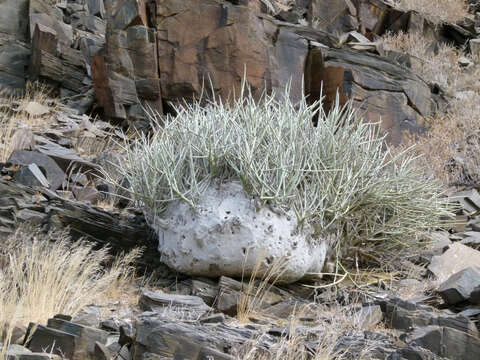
<point x="79" y="77"/>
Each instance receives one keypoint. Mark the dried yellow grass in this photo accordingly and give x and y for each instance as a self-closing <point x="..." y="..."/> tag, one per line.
<point x="46" y="274"/>
<point x="450" y="147"/>
<point x="330" y="323"/>
<point x="253" y="296"/>
<point x="440" y="67"/>
<point x="15" y="123"/>
<point x="437" y="10"/>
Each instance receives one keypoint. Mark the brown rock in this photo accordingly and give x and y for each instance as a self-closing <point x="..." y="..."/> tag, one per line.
<point x="386" y="92"/>
<point x="202" y="41"/>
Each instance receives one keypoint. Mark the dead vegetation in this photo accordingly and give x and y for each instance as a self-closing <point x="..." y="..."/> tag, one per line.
<point x="330" y="324"/>
<point x="46" y="274"/>
<point x="436" y="64"/>
<point x="437" y="10"/>
<point x="21" y="115"/>
<point x="450" y="147"/>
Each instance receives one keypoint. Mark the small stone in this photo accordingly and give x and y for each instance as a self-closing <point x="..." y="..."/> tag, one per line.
<point x="34" y="109"/>
<point x="110" y="325"/>
<point x="114" y="348"/>
<point x="213" y="319"/>
<point x="53" y="173"/>
<point x="369" y="316"/>
<point x="464" y="61"/>
<point x="31" y="175"/>
<point x="86" y="194"/>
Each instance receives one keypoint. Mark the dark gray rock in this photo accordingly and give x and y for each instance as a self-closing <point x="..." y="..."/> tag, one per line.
<point x="469" y="200"/>
<point x="85" y="337"/>
<point x="86" y="194"/>
<point x="187" y="341"/>
<point x="53" y="173"/>
<point x="124" y="354"/>
<point x="127" y="335"/>
<point x="31" y="175"/>
<point x="406" y="315"/>
<point x="212" y="319"/>
<point x="88" y="316"/>
<point x="114" y="348"/>
<point x="14" y="58"/>
<point x="369" y="316"/>
<point x="51" y="340"/>
<point x="101" y="352"/>
<point x="205" y="289"/>
<point x="96" y="8"/>
<point x="400" y="98"/>
<point x="447" y="342"/>
<point x="458" y="287"/>
<point x="475" y="295"/>
<point x="14" y="18"/>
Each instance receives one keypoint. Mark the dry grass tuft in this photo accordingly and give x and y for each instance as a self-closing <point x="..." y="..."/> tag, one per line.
<point x="16" y="123"/>
<point x="439" y="66"/>
<point x="451" y="146"/>
<point x="46" y="274"/>
<point x="318" y="344"/>
<point x="253" y="297"/>
<point x="436" y="10"/>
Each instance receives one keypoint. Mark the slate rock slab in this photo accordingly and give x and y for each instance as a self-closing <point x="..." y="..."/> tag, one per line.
<point x="447" y="342"/>
<point x="156" y="300"/>
<point x="177" y="340"/>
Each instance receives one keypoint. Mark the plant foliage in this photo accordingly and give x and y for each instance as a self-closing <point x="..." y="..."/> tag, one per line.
<point x="338" y="176"/>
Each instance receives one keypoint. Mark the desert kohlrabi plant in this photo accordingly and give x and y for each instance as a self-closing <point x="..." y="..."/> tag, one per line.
<point x="338" y="175"/>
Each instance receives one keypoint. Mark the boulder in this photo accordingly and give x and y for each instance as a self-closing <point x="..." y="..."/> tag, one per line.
<point x="458" y="257"/>
<point x="53" y="173"/>
<point x="174" y="50"/>
<point x="458" y="287"/>
<point x="227" y="235"/>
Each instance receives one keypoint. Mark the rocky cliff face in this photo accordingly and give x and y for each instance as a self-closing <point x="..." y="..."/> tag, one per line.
<point x="122" y="55"/>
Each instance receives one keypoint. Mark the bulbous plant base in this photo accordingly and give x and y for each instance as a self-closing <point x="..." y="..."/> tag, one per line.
<point x="227" y="234"/>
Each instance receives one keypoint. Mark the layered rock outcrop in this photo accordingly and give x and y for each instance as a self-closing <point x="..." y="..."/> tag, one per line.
<point x="134" y="54"/>
<point x="159" y="52"/>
